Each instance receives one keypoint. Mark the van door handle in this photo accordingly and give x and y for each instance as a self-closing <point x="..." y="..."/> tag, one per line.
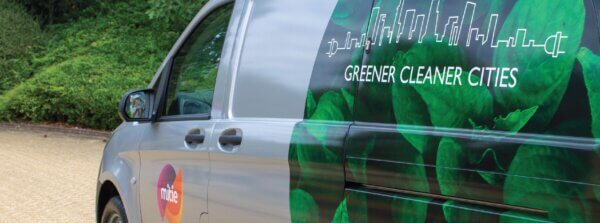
<point x="234" y="140"/>
<point x="194" y="138"/>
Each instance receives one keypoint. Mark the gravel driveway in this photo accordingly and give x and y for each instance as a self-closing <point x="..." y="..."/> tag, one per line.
<point x="48" y="176"/>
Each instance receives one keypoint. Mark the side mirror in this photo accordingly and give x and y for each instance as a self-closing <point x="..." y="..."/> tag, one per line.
<point x="137" y="106"/>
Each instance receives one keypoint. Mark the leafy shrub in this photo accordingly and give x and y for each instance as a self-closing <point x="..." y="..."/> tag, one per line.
<point x="82" y="91"/>
<point x="56" y="11"/>
<point x="88" y="64"/>
<point x="20" y="37"/>
<point x="177" y="13"/>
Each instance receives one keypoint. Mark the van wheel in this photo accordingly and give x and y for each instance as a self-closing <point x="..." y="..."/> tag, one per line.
<point x="114" y="212"/>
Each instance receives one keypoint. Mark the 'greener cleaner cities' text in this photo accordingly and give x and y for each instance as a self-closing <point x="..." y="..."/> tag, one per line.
<point x="503" y="77"/>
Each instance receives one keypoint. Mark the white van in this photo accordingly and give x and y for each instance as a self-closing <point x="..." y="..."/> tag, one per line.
<point x="366" y="111"/>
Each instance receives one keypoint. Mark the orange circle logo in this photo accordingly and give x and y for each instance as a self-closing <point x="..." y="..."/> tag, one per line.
<point x="169" y="193"/>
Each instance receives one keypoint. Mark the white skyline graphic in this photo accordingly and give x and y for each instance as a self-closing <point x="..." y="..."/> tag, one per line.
<point x="410" y="24"/>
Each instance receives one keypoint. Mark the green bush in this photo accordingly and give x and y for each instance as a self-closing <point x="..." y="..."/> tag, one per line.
<point x="126" y="34"/>
<point x="88" y="64"/>
<point x="57" y="11"/>
<point x="177" y="13"/>
<point x="19" y="38"/>
<point x="82" y="91"/>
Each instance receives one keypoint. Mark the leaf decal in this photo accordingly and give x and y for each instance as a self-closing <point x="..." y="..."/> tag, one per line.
<point x="410" y="210"/>
<point x="311" y="155"/>
<point x="590" y="63"/>
<point x="349" y="100"/>
<point x="431" y="53"/>
<point x="514" y="121"/>
<point x="357" y="207"/>
<point x="447" y="106"/>
<point x="409" y="177"/>
<point x="303" y="206"/>
<point x="450" y="157"/>
<point x="453" y="106"/>
<point x="542" y="79"/>
<point x="332" y="106"/>
<point x="410" y="109"/>
<point x="341" y="213"/>
<point x="455" y="212"/>
<point x="346" y="14"/>
<point x="525" y="185"/>
<point x="491" y="176"/>
<point x="519" y="217"/>
<point x="358" y="167"/>
<point x="311" y="104"/>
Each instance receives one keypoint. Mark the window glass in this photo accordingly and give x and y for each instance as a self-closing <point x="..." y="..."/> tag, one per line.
<point x="192" y="81"/>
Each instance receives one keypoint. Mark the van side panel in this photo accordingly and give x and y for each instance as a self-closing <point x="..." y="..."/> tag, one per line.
<point x="465" y="111"/>
<point x="493" y="102"/>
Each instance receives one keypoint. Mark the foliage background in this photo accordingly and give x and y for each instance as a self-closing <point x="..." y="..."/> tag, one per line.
<point x="70" y="61"/>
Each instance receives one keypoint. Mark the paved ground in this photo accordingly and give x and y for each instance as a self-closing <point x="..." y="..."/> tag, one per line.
<point x="48" y="176"/>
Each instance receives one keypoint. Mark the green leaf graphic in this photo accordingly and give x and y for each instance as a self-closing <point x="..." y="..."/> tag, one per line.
<point x="346" y="14"/>
<point x="332" y="106"/>
<point x="448" y="106"/>
<point x="410" y="177"/>
<point x="485" y="9"/>
<point x="491" y="176"/>
<point x="341" y="213"/>
<point x="349" y="100"/>
<point x="303" y="206"/>
<point x="311" y="104"/>
<point x="431" y="53"/>
<point x="514" y="121"/>
<point x="410" y="109"/>
<point x="453" y="106"/>
<point x="357" y="207"/>
<point x="450" y="157"/>
<point x="523" y="186"/>
<point x="519" y="217"/>
<point x="459" y="213"/>
<point x="542" y="79"/>
<point x="590" y="63"/>
<point x="410" y="210"/>
<point x="358" y="167"/>
<point x="312" y="156"/>
<point x="318" y="170"/>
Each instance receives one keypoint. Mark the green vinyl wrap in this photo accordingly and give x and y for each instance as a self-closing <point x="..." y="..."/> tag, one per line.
<point x="530" y="145"/>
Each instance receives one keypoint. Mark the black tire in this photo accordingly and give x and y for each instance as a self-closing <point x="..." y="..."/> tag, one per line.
<point x="114" y="211"/>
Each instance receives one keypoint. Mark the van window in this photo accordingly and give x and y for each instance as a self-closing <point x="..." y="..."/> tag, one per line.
<point x="191" y="84"/>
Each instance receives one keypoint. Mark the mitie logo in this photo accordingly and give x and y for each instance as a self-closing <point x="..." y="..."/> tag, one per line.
<point x="169" y="193"/>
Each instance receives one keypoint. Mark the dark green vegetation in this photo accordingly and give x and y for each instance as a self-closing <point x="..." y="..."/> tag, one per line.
<point x="19" y="37"/>
<point x="87" y="54"/>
